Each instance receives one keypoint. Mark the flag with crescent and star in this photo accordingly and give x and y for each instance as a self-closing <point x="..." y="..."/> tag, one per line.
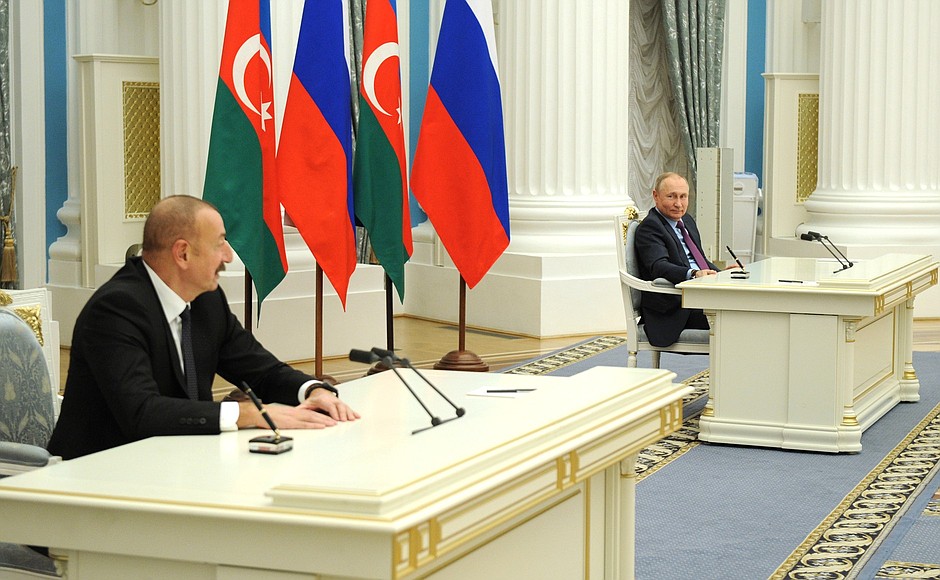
<point x="314" y="155"/>
<point x="379" y="169"/>
<point x="240" y="174"/>
<point x="459" y="171"/>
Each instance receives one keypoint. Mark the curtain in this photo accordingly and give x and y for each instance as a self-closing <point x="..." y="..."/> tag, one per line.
<point x="694" y="34"/>
<point x="6" y="193"/>
<point x="655" y="145"/>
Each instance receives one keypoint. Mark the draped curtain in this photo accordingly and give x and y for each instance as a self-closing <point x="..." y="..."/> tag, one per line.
<point x="694" y="35"/>
<point x="6" y="193"/>
<point x="655" y="145"/>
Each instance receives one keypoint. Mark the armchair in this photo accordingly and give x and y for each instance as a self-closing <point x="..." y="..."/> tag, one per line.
<point x="691" y="341"/>
<point x="26" y="422"/>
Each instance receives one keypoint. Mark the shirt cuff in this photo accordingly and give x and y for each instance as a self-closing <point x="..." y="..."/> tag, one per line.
<point x="228" y="416"/>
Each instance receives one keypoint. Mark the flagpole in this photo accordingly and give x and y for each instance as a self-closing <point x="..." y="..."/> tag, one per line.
<point x="389" y="328"/>
<point x="318" y="355"/>
<point x="248" y="298"/>
<point x="462" y="359"/>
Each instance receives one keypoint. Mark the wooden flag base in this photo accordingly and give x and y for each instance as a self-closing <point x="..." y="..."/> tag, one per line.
<point x="461" y="360"/>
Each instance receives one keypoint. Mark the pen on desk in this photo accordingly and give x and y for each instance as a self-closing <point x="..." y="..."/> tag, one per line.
<point x="264" y="412"/>
<point x="508" y="390"/>
<point x="736" y="260"/>
<point x="791" y="281"/>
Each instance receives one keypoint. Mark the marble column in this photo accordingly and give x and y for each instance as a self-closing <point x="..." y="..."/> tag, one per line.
<point x="564" y="71"/>
<point x="879" y="127"/>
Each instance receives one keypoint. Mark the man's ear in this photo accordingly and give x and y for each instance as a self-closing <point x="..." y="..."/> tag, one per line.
<point x="180" y="252"/>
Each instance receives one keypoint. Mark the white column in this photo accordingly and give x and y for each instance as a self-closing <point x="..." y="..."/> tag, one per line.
<point x="879" y="127"/>
<point x="563" y="70"/>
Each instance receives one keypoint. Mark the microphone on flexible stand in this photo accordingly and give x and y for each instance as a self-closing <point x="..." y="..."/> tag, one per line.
<point x="407" y="363"/>
<point x="830" y="247"/>
<point x="369" y="357"/>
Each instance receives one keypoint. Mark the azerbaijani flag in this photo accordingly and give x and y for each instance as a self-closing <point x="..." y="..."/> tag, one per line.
<point x="459" y="172"/>
<point x="240" y="175"/>
<point x="379" y="173"/>
<point x="314" y="153"/>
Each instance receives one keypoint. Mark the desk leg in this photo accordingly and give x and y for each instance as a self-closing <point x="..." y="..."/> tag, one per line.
<point x="627" y="532"/>
<point x="910" y="385"/>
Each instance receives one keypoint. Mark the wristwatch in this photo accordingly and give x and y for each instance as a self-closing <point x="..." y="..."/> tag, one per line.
<point x="320" y="385"/>
<point x="694" y="272"/>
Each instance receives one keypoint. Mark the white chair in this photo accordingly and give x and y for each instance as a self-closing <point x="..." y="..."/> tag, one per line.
<point x="691" y="341"/>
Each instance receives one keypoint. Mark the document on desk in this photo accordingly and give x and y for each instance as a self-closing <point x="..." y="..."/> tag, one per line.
<point x="498" y="392"/>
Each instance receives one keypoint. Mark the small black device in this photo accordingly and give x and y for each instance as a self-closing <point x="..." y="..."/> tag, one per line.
<point x="270" y="444"/>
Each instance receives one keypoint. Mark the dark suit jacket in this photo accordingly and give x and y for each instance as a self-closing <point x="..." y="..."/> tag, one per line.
<point x="660" y="255"/>
<point x="125" y="380"/>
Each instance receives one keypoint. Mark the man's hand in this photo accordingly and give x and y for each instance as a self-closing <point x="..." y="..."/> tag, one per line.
<point x="325" y="402"/>
<point x="700" y="273"/>
<point x="321" y="409"/>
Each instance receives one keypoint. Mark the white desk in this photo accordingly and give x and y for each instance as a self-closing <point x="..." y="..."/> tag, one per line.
<point x="536" y="486"/>
<point x="809" y="365"/>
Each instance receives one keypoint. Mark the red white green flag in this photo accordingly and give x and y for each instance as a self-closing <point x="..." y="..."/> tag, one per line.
<point x="240" y="174"/>
<point x="379" y="175"/>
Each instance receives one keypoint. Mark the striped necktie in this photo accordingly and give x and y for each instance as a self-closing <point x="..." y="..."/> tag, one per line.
<point x="189" y="359"/>
<point x="696" y="253"/>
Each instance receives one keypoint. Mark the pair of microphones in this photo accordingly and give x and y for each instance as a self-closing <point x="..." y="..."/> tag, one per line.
<point x="827" y="243"/>
<point x="391" y="360"/>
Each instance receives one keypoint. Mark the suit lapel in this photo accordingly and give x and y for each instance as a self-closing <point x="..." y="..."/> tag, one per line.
<point x="676" y="244"/>
<point x="161" y="322"/>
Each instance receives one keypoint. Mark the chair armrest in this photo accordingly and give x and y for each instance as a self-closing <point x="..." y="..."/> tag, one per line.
<point x="663" y="283"/>
<point x="659" y="285"/>
<point x="21" y="457"/>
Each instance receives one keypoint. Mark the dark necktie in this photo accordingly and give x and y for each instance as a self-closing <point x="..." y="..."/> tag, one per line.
<point x="189" y="360"/>
<point x="696" y="253"/>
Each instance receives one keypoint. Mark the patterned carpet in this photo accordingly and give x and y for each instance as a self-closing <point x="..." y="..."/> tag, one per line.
<point x="892" y="510"/>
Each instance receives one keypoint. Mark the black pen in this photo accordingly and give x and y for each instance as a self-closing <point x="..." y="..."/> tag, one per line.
<point x="791" y="281"/>
<point x="737" y="261"/>
<point x="264" y="412"/>
<point x="509" y="390"/>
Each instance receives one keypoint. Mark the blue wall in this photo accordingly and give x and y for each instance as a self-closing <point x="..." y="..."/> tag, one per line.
<point x="56" y="110"/>
<point x="754" y="103"/>
<point x="418" y="77"/>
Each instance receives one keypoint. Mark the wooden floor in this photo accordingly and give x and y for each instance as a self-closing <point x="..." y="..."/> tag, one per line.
<point x="424" y="342"/>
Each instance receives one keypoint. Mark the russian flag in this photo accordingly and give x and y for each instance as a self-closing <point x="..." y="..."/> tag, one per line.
<point x="459" y="171"/>
<point x="314" y="156"/>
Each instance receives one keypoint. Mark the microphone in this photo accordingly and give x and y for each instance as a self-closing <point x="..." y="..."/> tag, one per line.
<point x="369" y="357"/>
<point x="830" y="247"/>
<point x="363" y="356"/>
<point x="405" y="362"/>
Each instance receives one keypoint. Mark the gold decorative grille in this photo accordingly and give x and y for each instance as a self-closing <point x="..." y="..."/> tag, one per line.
<point x="141" y="148"/>
<point x="807" y="153"/>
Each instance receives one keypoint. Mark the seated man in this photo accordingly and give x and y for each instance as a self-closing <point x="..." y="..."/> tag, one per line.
<point x="668" y="246"/>
<point x="149" y="342"/>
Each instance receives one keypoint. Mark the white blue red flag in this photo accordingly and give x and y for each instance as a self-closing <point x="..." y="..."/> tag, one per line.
<point x="459" y="171"/>
<point x="314" y="156"/>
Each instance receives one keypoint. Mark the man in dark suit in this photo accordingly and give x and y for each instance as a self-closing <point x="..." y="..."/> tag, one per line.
<point x="668" y="246"/>
<point x="126" y="378"/>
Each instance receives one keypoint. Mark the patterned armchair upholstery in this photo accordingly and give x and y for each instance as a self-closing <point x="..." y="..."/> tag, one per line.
<point x="27" y="414"/>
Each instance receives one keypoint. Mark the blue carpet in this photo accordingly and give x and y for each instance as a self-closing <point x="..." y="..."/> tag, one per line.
<point x="728" y="512"/>
<point x="739" y="512"/>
